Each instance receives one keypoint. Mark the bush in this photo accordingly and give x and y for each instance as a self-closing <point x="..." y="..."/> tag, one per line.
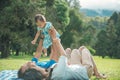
<point x="92" y="51"/>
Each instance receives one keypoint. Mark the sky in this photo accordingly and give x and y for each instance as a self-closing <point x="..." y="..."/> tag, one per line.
<point x="101" y="4"/>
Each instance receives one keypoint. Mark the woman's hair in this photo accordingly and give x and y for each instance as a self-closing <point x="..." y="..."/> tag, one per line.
<point x="20" y="73"/>
<point x="30" y="74"/>
<point x="40" y="17"/>
<point x="50" y="74"/>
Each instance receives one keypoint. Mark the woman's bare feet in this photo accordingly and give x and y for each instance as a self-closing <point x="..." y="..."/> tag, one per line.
<point x="68" y="52"/>
<point x="101" y="76"/>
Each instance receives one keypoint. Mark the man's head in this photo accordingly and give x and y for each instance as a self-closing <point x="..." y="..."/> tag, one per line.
<point x="40" y="20"/>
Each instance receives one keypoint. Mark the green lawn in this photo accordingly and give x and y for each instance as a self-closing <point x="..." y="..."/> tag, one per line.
<point x="111" y="67"/>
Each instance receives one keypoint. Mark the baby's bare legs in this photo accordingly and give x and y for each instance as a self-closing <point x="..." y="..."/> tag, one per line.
<point x="45" y="51"/>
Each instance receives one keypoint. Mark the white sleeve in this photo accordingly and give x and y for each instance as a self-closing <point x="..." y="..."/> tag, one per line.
<point x="61" y="67"/>
<point x="62" y="62"/>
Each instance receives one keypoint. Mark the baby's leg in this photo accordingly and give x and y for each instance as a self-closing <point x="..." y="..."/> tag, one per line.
<point x="75" y="57"/>
<point x="39" y="50"/>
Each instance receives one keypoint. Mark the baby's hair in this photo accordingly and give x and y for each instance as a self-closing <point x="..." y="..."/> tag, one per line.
<point x="40" y="17"/>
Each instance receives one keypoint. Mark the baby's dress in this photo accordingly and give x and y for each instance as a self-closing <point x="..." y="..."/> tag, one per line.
<point x="45" y="31"/>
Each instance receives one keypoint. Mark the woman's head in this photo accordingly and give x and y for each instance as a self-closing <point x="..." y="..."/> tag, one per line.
<point x="40" y="20"/>
<point x="31" y="74"/>
<point x="32" y="69"/>
<point x="25" y="67"/>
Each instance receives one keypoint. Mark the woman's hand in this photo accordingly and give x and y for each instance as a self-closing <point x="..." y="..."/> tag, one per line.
<point x="33" y="42"/>
<point x="52" y="33"/>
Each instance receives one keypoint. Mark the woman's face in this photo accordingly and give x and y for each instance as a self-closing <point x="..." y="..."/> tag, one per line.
<point x="29" y="65"/>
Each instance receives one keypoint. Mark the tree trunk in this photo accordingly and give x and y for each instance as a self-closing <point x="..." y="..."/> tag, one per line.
<point x="17" y="52"/>
<point x="5" y="50"/>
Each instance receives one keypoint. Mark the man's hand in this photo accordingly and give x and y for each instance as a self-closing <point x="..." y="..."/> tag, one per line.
<point x="33" y="42"/>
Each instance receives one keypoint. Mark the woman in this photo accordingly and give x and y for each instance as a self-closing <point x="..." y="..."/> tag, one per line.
<point x="80" y="66"/>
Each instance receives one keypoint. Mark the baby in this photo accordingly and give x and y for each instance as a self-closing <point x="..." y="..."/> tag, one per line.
<point x="43" y="29"/>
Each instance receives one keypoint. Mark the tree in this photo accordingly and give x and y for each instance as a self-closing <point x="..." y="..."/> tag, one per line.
<point x="88" y="36"/>
<point x="111" y="34"/>
<point x="102" y="44"/>
<point x="57" y="12"/>
<point x="71" y="35"/>
<point x="17" y="27"/>
<point x="73" y="31"/>
<point x="114" y="18"/>
<point x="117" y="40"/>
<point x="111" y="40"/>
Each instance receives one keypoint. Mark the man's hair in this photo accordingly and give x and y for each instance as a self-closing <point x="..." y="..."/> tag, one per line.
<point x="30" y="74"/>
<point x="40" y="17"/>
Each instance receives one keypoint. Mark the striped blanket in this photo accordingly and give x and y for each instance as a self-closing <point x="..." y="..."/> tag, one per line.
<point x="9" y="75"/>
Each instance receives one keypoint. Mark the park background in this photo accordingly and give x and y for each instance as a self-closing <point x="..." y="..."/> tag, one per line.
<point x="98" y="30"/>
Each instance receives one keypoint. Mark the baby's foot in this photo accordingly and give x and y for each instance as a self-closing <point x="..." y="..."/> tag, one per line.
<point x="45" y="54"/>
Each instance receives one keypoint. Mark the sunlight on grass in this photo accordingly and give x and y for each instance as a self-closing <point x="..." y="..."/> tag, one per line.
<point x="111" y="67"/>
<point x="14" y="62"/>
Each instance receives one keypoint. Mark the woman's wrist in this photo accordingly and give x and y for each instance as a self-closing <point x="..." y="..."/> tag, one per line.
<point x="55" y="39"/>
<point x="35" y="40"/>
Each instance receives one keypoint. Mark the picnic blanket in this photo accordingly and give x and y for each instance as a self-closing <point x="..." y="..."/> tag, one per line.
<point x="9" y="75"/>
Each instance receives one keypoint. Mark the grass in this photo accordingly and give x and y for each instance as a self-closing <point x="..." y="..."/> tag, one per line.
<point x="111" y="67"/>
<point x="15" y="62"/>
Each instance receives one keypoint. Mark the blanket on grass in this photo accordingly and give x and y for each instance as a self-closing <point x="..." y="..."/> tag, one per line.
<point x="9" y="75"/>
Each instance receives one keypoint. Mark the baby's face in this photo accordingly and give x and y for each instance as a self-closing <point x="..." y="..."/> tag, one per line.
<point x="40" y="24"/>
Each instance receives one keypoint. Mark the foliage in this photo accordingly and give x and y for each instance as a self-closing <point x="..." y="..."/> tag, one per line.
<point x="108" y="40"/>
<point x="17" y="27"/>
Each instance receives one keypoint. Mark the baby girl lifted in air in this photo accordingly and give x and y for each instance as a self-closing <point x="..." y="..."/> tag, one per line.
<point x="43" y="29"/>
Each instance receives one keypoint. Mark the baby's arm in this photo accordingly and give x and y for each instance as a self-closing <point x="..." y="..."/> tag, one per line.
<point x="36" y="37"/>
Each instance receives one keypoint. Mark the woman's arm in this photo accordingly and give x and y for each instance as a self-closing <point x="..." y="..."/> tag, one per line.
<point x="56" y="42"/>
